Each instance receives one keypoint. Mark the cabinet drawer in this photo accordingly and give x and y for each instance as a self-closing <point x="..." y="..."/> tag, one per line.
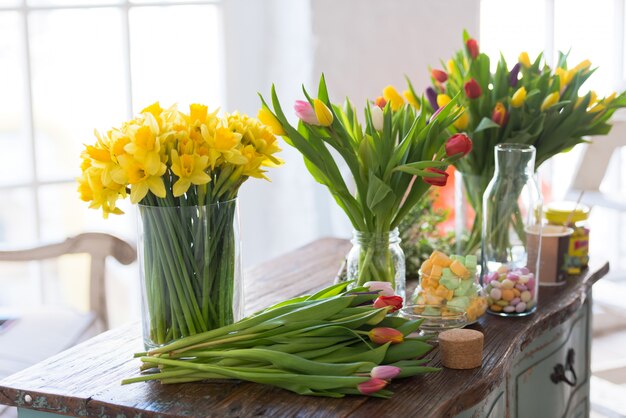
<point x="551" y="378"/>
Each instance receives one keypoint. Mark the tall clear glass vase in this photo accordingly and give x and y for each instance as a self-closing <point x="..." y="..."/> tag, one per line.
<point x="190" y="261"/>
<point x="377" y="257"/>
<point x="511" y="228"/>
<point x="468" y="200"/>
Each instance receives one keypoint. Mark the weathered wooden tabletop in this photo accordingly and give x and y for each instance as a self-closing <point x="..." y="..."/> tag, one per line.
<point x="85" y="380"/>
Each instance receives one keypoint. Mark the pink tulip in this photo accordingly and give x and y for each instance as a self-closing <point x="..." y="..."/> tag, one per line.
<point x="305" y="112"/>
<point x="371" y="386"/>
<point x="385" y="372"/>
<point x="384" y="288"/>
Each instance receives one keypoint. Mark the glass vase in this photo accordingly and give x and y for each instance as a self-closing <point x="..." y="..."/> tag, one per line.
<point x="190" y="262"/>
<point x="377" y="257"/>
<point x="468" y="200"/>
<point x="511" y="229"/>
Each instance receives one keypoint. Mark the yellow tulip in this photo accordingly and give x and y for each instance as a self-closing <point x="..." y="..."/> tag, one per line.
<point x="524" y="59"/>
<point x="609" y="99"/>
<point x="323" y="113"/>
<point x="411" y="99"/>
<point x="519" y="97"/>
<point x="598" y="107"/>
<point x="443" y="99"/>
<point x="463" y="120"/>
<point x="452" y="70"/>
<point x="565" y="76"/>
<point x="550" y="100"/>
<point x="267" y="118"/>
<point x="392" y="95"/>
<point x="583" y="65"/>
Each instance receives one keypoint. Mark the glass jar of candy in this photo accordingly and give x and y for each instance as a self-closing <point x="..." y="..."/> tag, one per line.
<point x="573" y="215"/>
<point x="511" y="232"/>
<point x="451" y="281"/>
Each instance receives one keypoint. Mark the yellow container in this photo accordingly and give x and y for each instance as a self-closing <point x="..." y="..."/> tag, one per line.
<point x="574" y="216"/>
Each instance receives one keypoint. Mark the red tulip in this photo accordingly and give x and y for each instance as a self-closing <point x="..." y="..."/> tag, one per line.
<point x="380" y="102"/>
<point x="394" y="301"/>
<point x="371" y="386"/>
<point x="439" y="181"/>
<point x="439" y="75"/>
<point x="458" y="144"/>
<point x="382" y="335"/>
<point x="499" y="114"/>
<point x="472" y="47"/>
<point x="472" y="89"/>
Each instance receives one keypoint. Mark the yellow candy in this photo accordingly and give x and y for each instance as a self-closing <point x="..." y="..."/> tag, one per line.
<point x="459" y="269"/>
<point x="496" y="308"/>
<point x="436" y="271"/>
<point x="427" y="283"/>
<point x="426" y="266"/>
<point x="440" y="259"/>
<point x="508" y="295"/>
<point x="433" y="299"/>
<point x="516" y="292"/>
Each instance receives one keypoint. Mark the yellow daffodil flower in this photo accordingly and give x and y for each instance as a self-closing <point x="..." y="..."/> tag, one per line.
<point x="391" y="95"/>
<point x="411" y="99"/>
<point x="443" y="99"/>
<point x="550" y="100"/>
<point x="197" y="113"/>
<point x="140" y="178"/>
<point x="463" y="120"/>
<point x="524" y="59"/>
<point x="519" y="97"/>
<point x="323" y="113"/>
<point x="268" y="118"/>
<point x="190" y="169"/>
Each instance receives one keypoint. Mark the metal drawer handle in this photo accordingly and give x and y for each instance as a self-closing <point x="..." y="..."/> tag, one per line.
<point x="559" y="373"/>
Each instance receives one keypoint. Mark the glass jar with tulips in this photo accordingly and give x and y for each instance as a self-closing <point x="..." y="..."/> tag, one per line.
<point x="184" y="171"/>
<point x="529" y="103"/>
<point x="393" y="160"/>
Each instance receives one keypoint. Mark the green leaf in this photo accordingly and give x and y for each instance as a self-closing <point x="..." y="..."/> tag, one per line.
<point x="485" y="124"/>
<point x="378" y="194"/>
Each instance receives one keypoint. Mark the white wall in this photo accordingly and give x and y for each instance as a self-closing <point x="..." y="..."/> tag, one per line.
<point x="361" y="46"/>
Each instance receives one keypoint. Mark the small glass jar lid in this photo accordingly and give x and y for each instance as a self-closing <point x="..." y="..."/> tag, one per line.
<point x="561" y="212"/>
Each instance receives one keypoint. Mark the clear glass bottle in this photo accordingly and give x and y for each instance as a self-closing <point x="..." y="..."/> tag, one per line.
<point x="377" y="257"/>
<point x="511" y="232"/>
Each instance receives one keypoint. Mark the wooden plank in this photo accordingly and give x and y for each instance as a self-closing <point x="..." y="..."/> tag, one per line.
<point x="85" y="379"/>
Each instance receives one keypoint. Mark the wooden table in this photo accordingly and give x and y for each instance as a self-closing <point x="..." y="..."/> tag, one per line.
<point x="519" y="356"/>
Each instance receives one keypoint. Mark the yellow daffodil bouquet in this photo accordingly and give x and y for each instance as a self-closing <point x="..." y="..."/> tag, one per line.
<point x="393" y="159"/>
<point x="184" y="170"/>
<point x="529" y="103"/>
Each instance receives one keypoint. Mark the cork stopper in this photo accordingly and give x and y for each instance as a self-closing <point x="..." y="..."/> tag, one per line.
<point x="461" y="348"/>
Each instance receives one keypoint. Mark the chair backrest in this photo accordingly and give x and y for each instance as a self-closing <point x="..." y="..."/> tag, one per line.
<point x="98" y="246"/>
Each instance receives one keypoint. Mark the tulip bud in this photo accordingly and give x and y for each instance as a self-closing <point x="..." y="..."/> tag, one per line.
<point x="499" y="114"/>
<point x="323" y="113"/>
<point x="472" y="47"/>
<point x="439" y="75"/>
<point x="395" y="302"/>
<point x="305" y="112"/>
<point x="411" y="99"/>
<point x="451" y="67"/>
<point x="385" y="372"/>
<point x="462" y="121"/>
<point x="371" y="386"/>
<point x="564" y="76"/>
<point x="550" y="100"/>
<point x="472" y="89"/>
<point x="584" y="65"/>
<point x="267" y="118"/>
<point x="382" y="335"/>
<point x="524" y="59"/>
<point x="377" y="118"/>
<point x="384" y="288"/>
<point x="392" y="95"/>
<point x="380" y="102"/>
<point x="431" y="95"/>
<point x="443" y="99"/>
<point x="458" y="144"/>
<point x="513" y="75"/>
<point x="519" y="97"/>
<point x="438" y="181"/>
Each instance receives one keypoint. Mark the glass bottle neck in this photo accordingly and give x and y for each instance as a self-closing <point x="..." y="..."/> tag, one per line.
<point x="515" y="159"/>
<point x="374" y="238"/>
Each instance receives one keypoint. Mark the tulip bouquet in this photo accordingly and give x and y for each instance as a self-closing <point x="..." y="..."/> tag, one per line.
<point x="393" y="161"/>
<point x="529" y="103"/>
<point x="184" y="171"/>
<point x="332" y="343"/>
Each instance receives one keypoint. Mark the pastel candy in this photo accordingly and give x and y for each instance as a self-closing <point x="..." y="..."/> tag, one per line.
<point x="523" y="279"/>
<point x="509" y="309"/>
<point x="461" y="302"/>
<point x="524" y="270"/>
<point x="502" y="303"/>
<point x="496" y="283"/>
<point x="521" y="287"/>
<point x="459" y="269"/>
<point x="496" y="308"/>
<point x="512" y="276"/>
<point x="436" y="271"/>
<point x="508" y="295"/>
<point x="496" y="294"/>
<point x="465" y="288"/>
<point x="507" y="284"/>
<point x="456" y="257"/>
<point x="446" y="272"/>
<point x="440" y="259"/>
<point x="431" y="311"/>
<point x="526" y="296"/>
<point x="515" y="301"/>
<point x="470" y="262"/>
<point x="450" y="282"/>
<point x="520" y="307"/>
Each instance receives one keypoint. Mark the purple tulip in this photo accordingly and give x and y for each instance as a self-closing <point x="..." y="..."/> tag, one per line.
<point x="431" y="95"/>
<point x="513" y="75"/>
